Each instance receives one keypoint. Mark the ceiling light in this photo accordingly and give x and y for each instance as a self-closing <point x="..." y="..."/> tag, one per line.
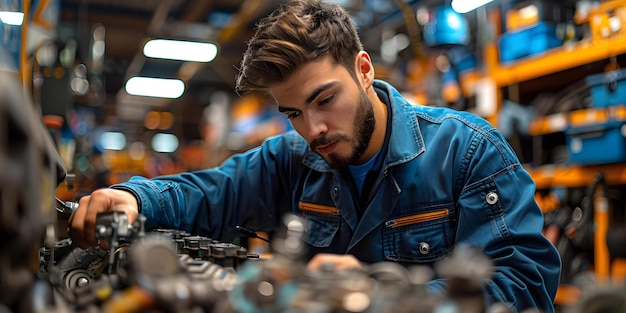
<point x="464" y="6"/>
<point x="165" y="143"/>
<point x="112" y="141"/>
<point x="11" y="18"/>
<point x="180" y="50"/>
<point x="155" y="87"/>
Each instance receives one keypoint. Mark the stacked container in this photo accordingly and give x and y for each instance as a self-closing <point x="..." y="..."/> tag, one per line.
<point x="598" y="135"/>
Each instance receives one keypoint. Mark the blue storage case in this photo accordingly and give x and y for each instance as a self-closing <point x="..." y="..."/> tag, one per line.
<point x="446" y="28"/>
<point x="529" y="41"/>
<point x="607" y="88"/>
<point x="597" y="144"/>
<point x="463" y="58"/>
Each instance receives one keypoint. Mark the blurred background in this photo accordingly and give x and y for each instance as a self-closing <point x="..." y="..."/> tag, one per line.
<point x="78" y="57"/>
<point x="547" y="73"/>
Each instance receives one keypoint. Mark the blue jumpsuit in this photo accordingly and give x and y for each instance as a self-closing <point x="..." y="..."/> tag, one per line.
<point x="447" y="178"/>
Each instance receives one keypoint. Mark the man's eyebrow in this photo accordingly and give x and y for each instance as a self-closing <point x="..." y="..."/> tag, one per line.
<point x="312" y="97"/>
<point x="283" y="109"/>
<point x="319" y="90"/>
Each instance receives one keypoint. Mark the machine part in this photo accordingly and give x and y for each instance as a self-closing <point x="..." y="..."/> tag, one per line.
<point x="113" y="227"/>
<point x="150" y="275"/>
<point x="93" y="295"/>
<point x="272" y="285"/>
<point x="351" y="290"/>
<point x="77" y="278"/>
<point x="249" y="233"/>
<point x="176" y="284"/>
<point x="289" y="242"/>
<point x="192" y="246"/>
<point x="582" y="226"/>
<point x="615" y="238"/>
<point x="265" y="287"/>
<point x="30" y="167"/>
<point x="200" y="269"/>
<point x="228" y="255"/>
<point x="66" y="207"/>
<point x="408" y="294"/>
<point x="151" y="258"/>
<point x="133" y="299"/>
<point x="390" y="276"/>
<point x="41" y="298"/>
<point x="600" y="300"/>
<point x="466" y="271"/>
<point x="81" y="262"/>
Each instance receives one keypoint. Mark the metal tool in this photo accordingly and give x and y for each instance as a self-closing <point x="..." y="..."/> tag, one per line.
<point x="66" y="207"/>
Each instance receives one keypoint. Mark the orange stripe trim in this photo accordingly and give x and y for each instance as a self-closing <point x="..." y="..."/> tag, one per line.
<point x="417" y="218"/>
<point x="318" y="208"/>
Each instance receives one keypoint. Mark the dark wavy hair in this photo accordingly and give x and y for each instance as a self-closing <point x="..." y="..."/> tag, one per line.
<point x="296" y="33"/>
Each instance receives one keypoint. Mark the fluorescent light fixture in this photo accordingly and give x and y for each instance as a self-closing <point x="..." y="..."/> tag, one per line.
<point x="165" y="143"/>
<point x="464" y="6"/>
<point x="155" y="87"/>
<point x="112" y="141"/>
<point x="12" y="18"/>
<point x="180" y="50"/>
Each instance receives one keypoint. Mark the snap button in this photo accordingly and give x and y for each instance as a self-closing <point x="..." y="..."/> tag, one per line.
<point x="492" y="197"/>
<point x="335" y="192"/>
<point x="424" y="247"/>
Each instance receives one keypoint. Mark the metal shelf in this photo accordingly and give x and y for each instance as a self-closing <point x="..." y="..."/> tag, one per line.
<point x="548" y="176"/>
<point x="555" y="60"/>
<point x="561" y="121"/>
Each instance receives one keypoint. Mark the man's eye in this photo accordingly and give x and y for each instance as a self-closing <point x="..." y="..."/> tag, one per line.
<point x="293" y="115"/>
<point x="326" y="100"/>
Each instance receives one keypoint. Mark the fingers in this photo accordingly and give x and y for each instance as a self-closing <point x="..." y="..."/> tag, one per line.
<point x="76" y="224"/>
<point x="337" y="261"/>
<point x="99" y="202"/>
<point x="82" y="223"/>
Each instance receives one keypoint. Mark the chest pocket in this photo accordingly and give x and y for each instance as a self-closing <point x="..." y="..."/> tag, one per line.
<point x="423" y="237"/>
<point x="322" y="223"/>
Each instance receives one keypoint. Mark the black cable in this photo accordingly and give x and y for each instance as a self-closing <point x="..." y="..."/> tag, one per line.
<point x="249" y="233"/>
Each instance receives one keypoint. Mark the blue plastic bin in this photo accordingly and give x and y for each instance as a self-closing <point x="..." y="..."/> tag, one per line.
<point x="529" y="41"/>
<point x="608" y="88"/>
<point x="597" y="144"/>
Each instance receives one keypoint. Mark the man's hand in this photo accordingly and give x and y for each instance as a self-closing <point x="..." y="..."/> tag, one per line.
<point x="82" y="223"/>
<point x="339" y="261"/>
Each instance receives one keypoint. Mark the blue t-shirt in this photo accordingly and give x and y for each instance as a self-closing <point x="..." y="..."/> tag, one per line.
<point x="359" y="172"/>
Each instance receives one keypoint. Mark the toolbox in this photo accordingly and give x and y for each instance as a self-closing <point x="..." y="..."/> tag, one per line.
<point x="522" y="14"/>
<point x="597" y="144"/>
<point x="528" y="41"/>
<point x="607" y="88"/>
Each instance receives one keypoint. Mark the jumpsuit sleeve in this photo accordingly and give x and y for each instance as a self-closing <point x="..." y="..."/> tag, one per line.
<point x="248" y="189"/>
<point x="498" y="212"/>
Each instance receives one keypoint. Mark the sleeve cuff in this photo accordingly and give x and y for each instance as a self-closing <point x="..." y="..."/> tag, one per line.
<point x="132" y="191"/>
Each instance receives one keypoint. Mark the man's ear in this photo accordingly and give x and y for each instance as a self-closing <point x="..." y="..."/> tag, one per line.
<point x="364" y="69"/>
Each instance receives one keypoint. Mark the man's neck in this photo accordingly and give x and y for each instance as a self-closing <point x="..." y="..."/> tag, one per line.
<point x="380" y="128"/>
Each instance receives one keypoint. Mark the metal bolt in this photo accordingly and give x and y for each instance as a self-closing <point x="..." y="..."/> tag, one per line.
<point x="81" y="282"/>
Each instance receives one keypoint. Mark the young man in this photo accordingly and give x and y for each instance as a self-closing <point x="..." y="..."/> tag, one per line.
<point x="376" y="177"/>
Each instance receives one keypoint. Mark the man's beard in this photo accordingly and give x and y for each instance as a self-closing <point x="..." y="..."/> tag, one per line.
<point x="364" y="124"/>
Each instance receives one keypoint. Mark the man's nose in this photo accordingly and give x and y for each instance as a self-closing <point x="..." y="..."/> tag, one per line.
<point x="315" y="125"/>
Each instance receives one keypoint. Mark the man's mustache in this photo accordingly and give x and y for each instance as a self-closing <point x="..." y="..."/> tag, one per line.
<point x="324" y="140"/>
